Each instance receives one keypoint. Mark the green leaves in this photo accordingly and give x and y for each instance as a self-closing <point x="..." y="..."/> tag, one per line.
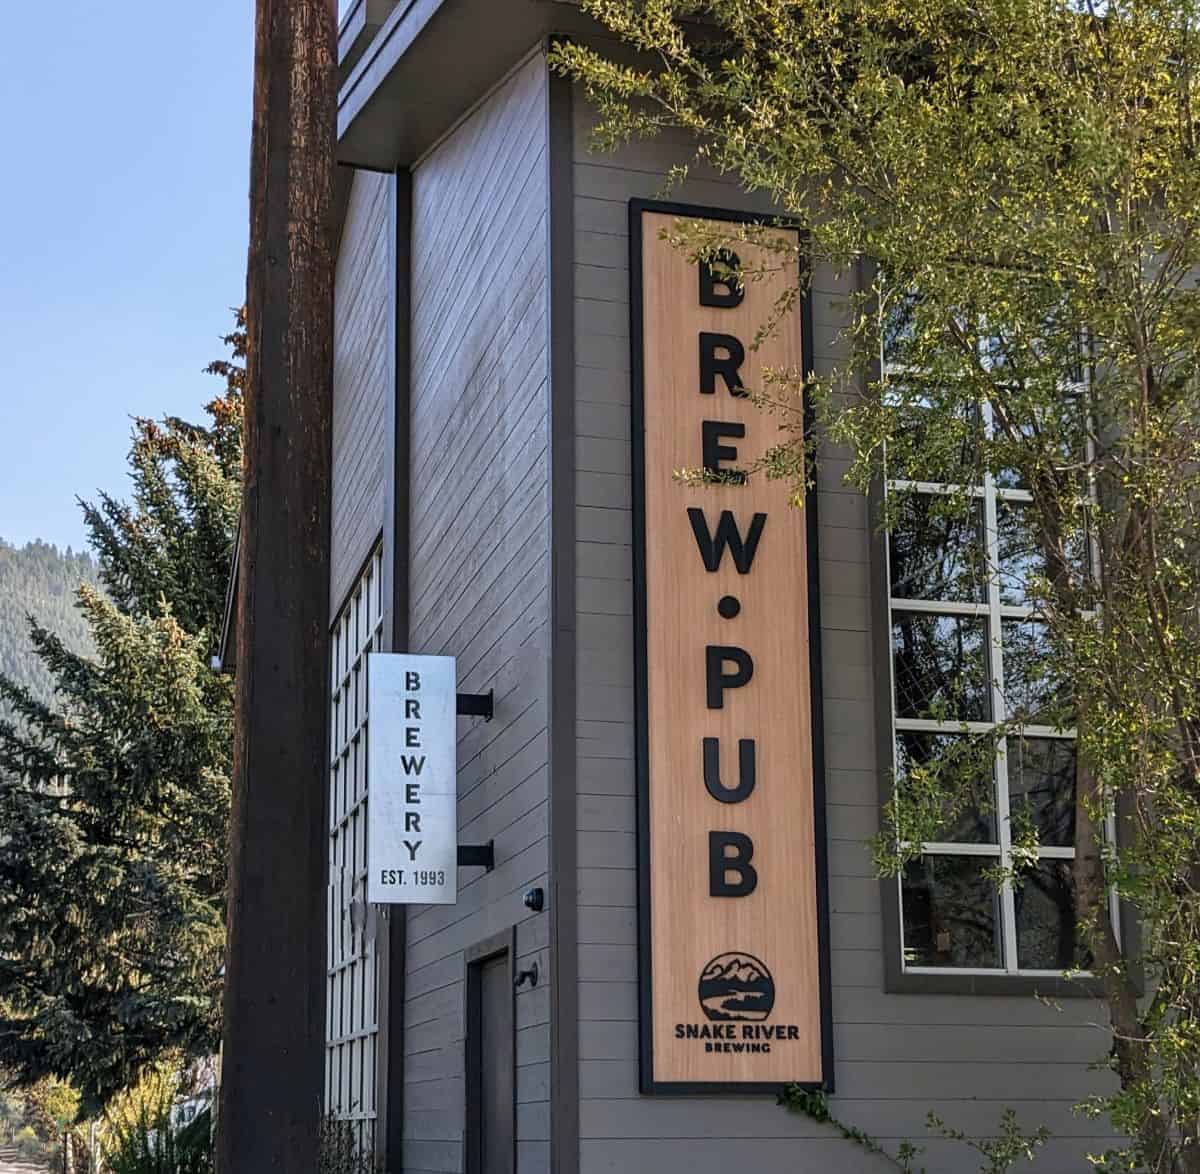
<point x="114" y="798"/>
<point x="149" y="1143"/>
<point x="1019" y="184"/>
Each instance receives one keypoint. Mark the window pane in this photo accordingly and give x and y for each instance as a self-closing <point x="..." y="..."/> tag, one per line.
<point x="1022" y="557"/>
<point x="941" y="667"/>
<point x="969" y="817"/>
<point x="1032" y="692"/>
<point x="951" y="912"/>
<point x="1041" y="782"/>
<point x="898" y="325"/>
<point x="1062" y="428"/>
<point x="936" y="437"/>
<point x="935" y="551"/>
<point x="1046" y="931"/>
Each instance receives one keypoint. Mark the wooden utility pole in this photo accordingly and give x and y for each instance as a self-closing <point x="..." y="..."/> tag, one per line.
<point x="270" y="1098"/>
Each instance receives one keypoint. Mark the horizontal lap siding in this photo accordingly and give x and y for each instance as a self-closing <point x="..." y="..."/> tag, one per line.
<point x="896" y="1056"/>
<point x="361" y="380"/>
<point x="478" y="584"/>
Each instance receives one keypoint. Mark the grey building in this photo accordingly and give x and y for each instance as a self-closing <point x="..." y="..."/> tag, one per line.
<point x="484" y="507"/>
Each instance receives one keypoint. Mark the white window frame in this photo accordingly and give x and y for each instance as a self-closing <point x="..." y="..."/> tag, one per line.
<point x="994" y="611"/>
<point x="352" y="974"/>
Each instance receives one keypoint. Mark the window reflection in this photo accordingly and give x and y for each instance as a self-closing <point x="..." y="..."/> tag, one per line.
<point x="951" y="912"/>
<point x="940" y="665"/>
<point x="1041" y="784"/>
<point x="1023" y="560"/>
<point x="935" y="551"/>
<point x="1032" y="693"/>
<point x="1047" y="935"/>
<point x="948" y="453"/>
<point x="899" y="325"/>
<point x="973" y="819"/>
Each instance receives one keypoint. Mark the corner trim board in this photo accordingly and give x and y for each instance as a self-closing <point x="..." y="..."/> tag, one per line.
<point x="390" y="1139"/>
<point x="563" y="861"/>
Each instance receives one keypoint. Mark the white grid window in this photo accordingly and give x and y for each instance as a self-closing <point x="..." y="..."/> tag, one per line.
<point x="352" y="990"/>
<point x="968" y="652"/>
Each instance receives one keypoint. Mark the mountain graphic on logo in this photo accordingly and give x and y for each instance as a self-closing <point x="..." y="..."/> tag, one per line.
<point x="736" y="986"/>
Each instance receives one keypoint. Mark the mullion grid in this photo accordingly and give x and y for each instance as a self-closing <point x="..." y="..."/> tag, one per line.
<point x="993" y="611"/>
<point x="352" y="978"/>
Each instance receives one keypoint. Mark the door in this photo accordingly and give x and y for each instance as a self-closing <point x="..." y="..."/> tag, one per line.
<point x="491" y="1069"/>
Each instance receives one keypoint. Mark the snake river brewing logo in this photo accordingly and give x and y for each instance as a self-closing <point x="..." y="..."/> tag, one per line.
<point x="736" y="994"/>
<point x="736" y="986"/>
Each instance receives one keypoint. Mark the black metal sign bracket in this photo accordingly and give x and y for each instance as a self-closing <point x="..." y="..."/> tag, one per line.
<point x="477" y="856"/>
<point x="477" y="704"/>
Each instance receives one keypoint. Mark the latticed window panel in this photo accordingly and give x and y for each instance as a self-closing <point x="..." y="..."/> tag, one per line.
<point x="352" y="989"/>
<point x="970" y="651"/>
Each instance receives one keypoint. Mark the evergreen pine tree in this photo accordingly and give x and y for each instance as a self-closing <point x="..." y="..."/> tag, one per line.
<point x="114" y="797"/>
<point x="41" y="580"/>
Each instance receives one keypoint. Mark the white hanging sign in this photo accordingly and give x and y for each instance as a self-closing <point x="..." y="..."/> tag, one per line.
<point x="412" y="818"/>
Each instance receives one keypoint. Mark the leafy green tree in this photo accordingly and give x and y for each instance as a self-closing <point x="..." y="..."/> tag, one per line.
<point x="140" y="1135"/>
<point x="1019" y="184"/>
<point x="114" y="796"/>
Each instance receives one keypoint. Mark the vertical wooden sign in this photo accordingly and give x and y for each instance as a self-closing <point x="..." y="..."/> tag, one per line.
<point x="733" y="910"/>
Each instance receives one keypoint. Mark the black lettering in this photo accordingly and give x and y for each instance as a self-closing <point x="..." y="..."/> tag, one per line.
<point x="793" y="1032"/>
<point x="412" y="736"/>
<point x="716" y="680"/>
<point x="412" y="821"/>
<point x="746" y="771"/>
<point x="721" y="863"/>
<point x="412" y="681"/>
<point x="679" y="1031"/>
<point x="412" y="764"/>
<point x="714" y="452"/>
<point x="728" y="366"/>
<point x="712" y="547"/>
<point x="412" y="848"/>
<point x="412" y="792"/>
<point x="412" y="708"/>
<point x="730" y="293"/>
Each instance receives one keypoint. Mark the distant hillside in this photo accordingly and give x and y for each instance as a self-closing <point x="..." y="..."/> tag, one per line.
<point x="40" y="580"/>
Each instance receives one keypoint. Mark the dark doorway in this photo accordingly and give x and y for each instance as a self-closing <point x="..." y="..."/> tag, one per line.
<point x="491" y="1067"/>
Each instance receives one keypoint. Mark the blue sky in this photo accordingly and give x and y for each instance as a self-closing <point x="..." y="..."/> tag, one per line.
<point x="123" y="219"/>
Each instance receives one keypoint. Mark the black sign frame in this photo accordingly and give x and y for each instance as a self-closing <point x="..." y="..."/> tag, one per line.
<point x="647" y="1084"/>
